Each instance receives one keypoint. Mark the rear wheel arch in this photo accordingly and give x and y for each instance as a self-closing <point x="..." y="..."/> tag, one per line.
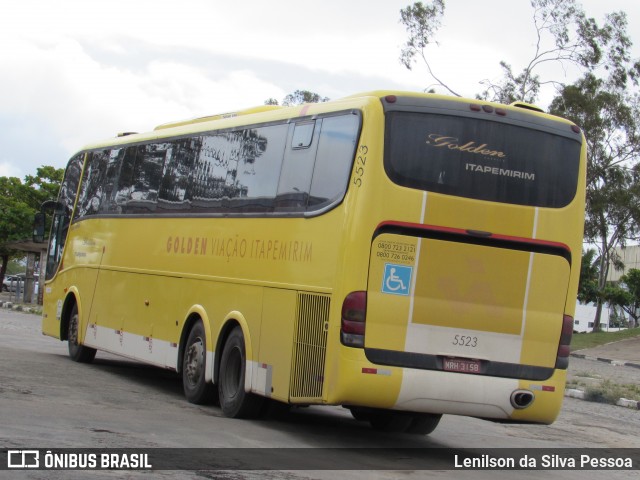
<point x="65" y="315"/>
<point x="71" y="326"/>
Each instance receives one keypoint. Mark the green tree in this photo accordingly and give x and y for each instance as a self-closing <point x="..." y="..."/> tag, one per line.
<point x="610" y="117"/>
<point x="565" y="37"/>
<point x="626" y="295"/>
<point x="298" y="98"/>
<point x="422" y="21"/>
<point x="19" y="202"/>
<point x="607" y="107"/>
<point x="588" y="285"/>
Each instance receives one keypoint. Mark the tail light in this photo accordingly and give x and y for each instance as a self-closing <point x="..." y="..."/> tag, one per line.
<point x="562" y="359"/>
<point x="354" y="313"/>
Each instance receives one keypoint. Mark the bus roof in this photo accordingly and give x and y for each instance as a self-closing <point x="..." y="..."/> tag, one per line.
<point x="267" y="113"/>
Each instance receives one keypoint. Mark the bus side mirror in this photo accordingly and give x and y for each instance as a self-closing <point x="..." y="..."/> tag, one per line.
<point x="38" y="227"/>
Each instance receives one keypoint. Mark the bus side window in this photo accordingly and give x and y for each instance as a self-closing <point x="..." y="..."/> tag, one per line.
<point x="147" y="175"/>
<point x="336" y="149"/>
<point x="112" y="173"/>
<point x="62" y="217"/>
<point x="123" y="183"/>
<point x="297" y="168"/>
<point x="256" y="172"/>
<point x="93" y="179"/>
<point x="176" y="186"/>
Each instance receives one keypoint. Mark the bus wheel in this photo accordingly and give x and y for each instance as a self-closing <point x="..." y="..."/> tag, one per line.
<point x="390" y="421"/>
<point x="360" y="414"/>
<point x="77" y="353"/>
<point x="196" y="388"/>
<point x="234" y="400"/>
<point x="424" y="423"/>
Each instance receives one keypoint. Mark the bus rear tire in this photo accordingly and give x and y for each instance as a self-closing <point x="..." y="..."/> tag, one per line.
<point x="234" y="400"/>
<point x="424" y="423"/>
<point x="390" y="421"/>
<point x="77" y="353"/>
<point x="196" y="389"/>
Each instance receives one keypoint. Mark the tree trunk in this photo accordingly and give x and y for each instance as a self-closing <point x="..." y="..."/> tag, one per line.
<point x="596" y="320"/>
<point x="3" y="268"/>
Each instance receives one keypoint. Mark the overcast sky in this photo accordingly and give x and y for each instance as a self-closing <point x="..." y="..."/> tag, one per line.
<point x="75" y="71"/>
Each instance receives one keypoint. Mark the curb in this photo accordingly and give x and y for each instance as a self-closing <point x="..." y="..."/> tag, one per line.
<point x="622" y="402"/>
<point x="617" y="363"/>
<point x="580" y="394"/>
<point x="20" y="308"/>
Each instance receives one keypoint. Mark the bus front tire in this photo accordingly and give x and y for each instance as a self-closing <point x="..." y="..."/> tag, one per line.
<point x="234" y="400"/>
<point x="77" y="353"/>
<point x="196" y="389"/>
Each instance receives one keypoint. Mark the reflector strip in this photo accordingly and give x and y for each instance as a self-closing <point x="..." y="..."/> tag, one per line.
<point x="544" y="388"/>
<point x="376" y="371"/>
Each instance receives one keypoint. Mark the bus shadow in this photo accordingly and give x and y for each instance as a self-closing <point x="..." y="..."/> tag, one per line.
<point x="335" y="424"/>
<point x="162" y="380"/>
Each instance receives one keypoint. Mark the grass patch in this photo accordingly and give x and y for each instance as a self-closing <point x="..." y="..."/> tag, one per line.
<point x="589" y="340"/>
<point x="577" y="384"/>
<point x="609" y="392"/>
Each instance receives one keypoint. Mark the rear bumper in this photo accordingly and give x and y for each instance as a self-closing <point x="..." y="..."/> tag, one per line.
<point x="362" y="383"/>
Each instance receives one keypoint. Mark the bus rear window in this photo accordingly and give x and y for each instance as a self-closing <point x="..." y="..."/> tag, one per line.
<point x="480" y="159"/>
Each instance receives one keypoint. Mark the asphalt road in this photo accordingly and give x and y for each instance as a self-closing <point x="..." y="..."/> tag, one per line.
<point x="47" y="401"/>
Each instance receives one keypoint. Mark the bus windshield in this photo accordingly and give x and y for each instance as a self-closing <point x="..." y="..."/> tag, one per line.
<point x="480" y="159"/>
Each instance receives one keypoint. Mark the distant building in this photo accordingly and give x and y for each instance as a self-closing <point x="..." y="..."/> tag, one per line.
<point x="630" y="256"/>
<point x="585" y="314"/>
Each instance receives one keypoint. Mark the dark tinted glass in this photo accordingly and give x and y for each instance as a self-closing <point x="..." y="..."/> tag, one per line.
<point x="62" y="218"/>
<point x="336" y="148"/>
<point x="93" y="180"/>
<point x="69" y="187"/>
<point x="481" y="159"/>
<point x="115" y="159"/>
<point x="147" y="175"/>
<point x="282" y="168"/>
<point x="297" y="169"/>
<point x="176" y="185"/>
<point x="124" y="184"/>
<point x="238" y="172"/>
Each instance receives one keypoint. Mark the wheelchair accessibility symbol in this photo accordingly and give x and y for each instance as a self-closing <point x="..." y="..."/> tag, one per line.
<point x="396" y="279"/>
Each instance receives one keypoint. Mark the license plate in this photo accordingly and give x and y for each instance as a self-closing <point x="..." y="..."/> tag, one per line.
<point x="463" y="365"/>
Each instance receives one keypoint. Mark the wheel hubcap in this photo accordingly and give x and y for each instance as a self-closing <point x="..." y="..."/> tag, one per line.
<point x="195" y="361"/>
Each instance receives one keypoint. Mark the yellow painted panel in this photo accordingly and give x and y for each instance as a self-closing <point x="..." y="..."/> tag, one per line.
<point x="470" y="287"/>
<point x="471" y="214"/>
<point x="387" y="308"/>
<point x="276" y="338"/>
<point x="545" y="307"/>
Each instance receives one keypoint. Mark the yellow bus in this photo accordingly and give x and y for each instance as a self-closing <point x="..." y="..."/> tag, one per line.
<point x="403" y="255"/>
